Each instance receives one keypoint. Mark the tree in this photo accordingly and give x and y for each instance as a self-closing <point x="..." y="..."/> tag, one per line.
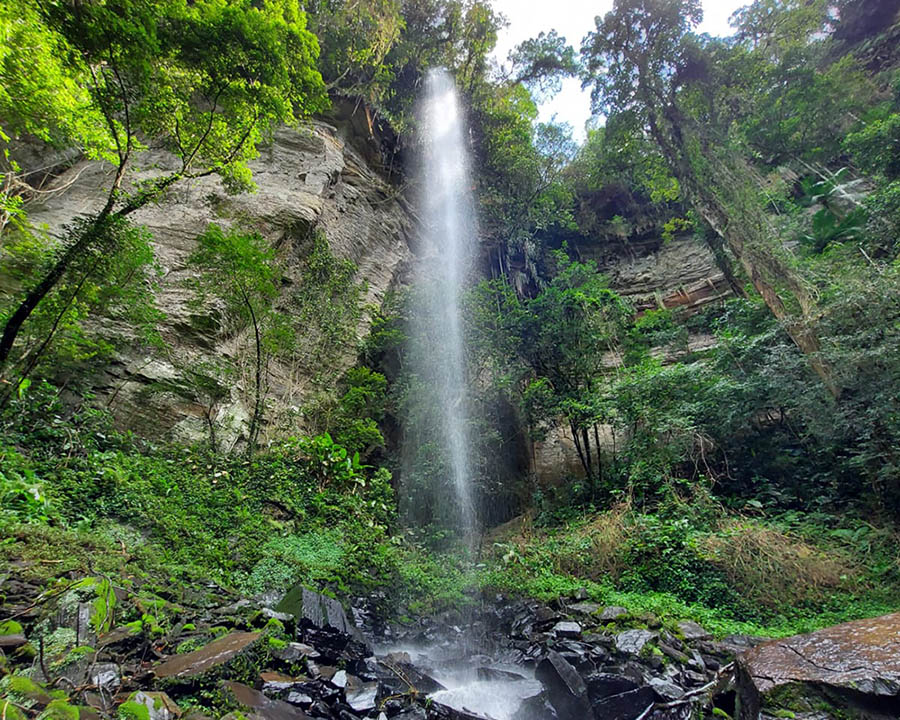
<point x="542" y="62"/>
<point x="554" y="346"/>
<point x="642" y="59"/>
<point x="239" y="269"/>
<point x="208" y="80"/>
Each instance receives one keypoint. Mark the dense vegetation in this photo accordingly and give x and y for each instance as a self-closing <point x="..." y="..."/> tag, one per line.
<point x="753" y="483"/>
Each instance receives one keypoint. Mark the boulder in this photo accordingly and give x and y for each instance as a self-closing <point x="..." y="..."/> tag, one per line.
<point x="584" y="608"/>
<point x="261" y="707"/>
<point x="692" y="631"/>
<point x="216" y="654"/>
<point x="603" y="685"/>
<point x="360" y="696"/>
<point x="12" y="641"/>
<point x="633" y="641"/>
<point x="855" y="666"/>
<point x="315" y="609"/>
<point x="625" y="706"/>
<point x="567" y="629"/>
<point x="613" y="612"/>
<point x="274" y="682"/>
<point x="666" y="690"/>
<point x="566" y="690"/>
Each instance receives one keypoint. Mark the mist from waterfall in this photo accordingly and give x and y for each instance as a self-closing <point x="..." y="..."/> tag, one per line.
<point x="446" y="247"/>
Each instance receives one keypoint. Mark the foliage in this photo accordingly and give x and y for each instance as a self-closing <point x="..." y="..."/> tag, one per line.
<point x="306" y="509"/>
<point x="555" y="344"/>
<point x="240" y="269"/>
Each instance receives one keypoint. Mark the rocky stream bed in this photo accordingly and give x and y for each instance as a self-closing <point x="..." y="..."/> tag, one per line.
<point x="306" y="656"/>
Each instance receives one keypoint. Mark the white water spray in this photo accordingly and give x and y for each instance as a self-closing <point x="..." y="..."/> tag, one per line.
<point x="448" y="245"/>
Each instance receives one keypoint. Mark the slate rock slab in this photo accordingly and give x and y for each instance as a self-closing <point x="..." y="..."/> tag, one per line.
<point x="633" y="641"/>
<point x="613" y="612"/>
<point x="566" y="690"/>
<point x="625" y="706"/>
<point x="567" y="629"/>
<point x="316" y="609"/>
<point x="692" y="631"/>
<point x="261" y="707"/>
<point x="858" y="661"/>
<point x="584" y="608"/>
<point x="215" y="654"/>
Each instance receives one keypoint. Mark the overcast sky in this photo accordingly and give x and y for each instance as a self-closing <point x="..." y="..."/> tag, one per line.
<point x="574" y="19"/>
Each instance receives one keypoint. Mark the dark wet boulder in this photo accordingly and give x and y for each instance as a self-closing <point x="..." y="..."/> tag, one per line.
<point x="854" y="667"/>
<point x="603" y="685"/>
<point x="397" y="677"/>
<point x="360" y="695"/>
<point x="536" y="708"/>
<point x="625" y="706"/>
<point x="566" y="690"/>
<point x="214" y="655"/>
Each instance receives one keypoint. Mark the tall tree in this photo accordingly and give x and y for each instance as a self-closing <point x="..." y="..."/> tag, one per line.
<point x="643" y="59"/>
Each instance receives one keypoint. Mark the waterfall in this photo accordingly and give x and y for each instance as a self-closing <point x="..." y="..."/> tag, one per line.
<point x="447" y="244"/>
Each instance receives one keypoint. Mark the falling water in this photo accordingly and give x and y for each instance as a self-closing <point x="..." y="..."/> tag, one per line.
<point x="447" y="247"/>
<point x="436" y="446"/>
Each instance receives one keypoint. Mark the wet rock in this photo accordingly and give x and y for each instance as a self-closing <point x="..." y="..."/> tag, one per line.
<point x="544" y="618"/>
<point x="294" y="652"/>
<point x="105" y="676"/>
<point x="613" y="612"/>
<point x="339" y="679"/>
<point x="625" y="706"/>
<point x="580" y="594"/>
<point x="584" y="608"/>
<point x="855" y="664"/>
<point x="566" y="690"/>
<point x="401" y="677"/>
<point x="274" y="682"/>
<point x="692" y="631"/>
<point x="414" y="712"/>
<point x="567" y="629"/>
<point x="495" y="674"/>
<point x="159" y="705"/>
<point x="359" y="695"/>
<point x="603" y="685"/>
<point x="633" y="641"/>
<point x="215" y="654"/>
<point x="666" y="690"/>
<point x="298" y="698"/>
<point x="262" y="707"/>
<point x="316" y="609"/>
<point x="671" y="652"/>
<point x="536" y="708"/>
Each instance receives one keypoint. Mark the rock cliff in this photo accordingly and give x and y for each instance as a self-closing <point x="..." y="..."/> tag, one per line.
<point x="328" y="177"/>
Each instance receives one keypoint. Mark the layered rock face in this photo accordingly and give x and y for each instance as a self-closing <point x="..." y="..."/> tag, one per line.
<point x="681" y="275"/>
<point x="324" y="177"/>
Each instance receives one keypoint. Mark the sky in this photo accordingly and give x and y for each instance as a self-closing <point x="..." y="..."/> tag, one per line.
<point x="573" y="19"/>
